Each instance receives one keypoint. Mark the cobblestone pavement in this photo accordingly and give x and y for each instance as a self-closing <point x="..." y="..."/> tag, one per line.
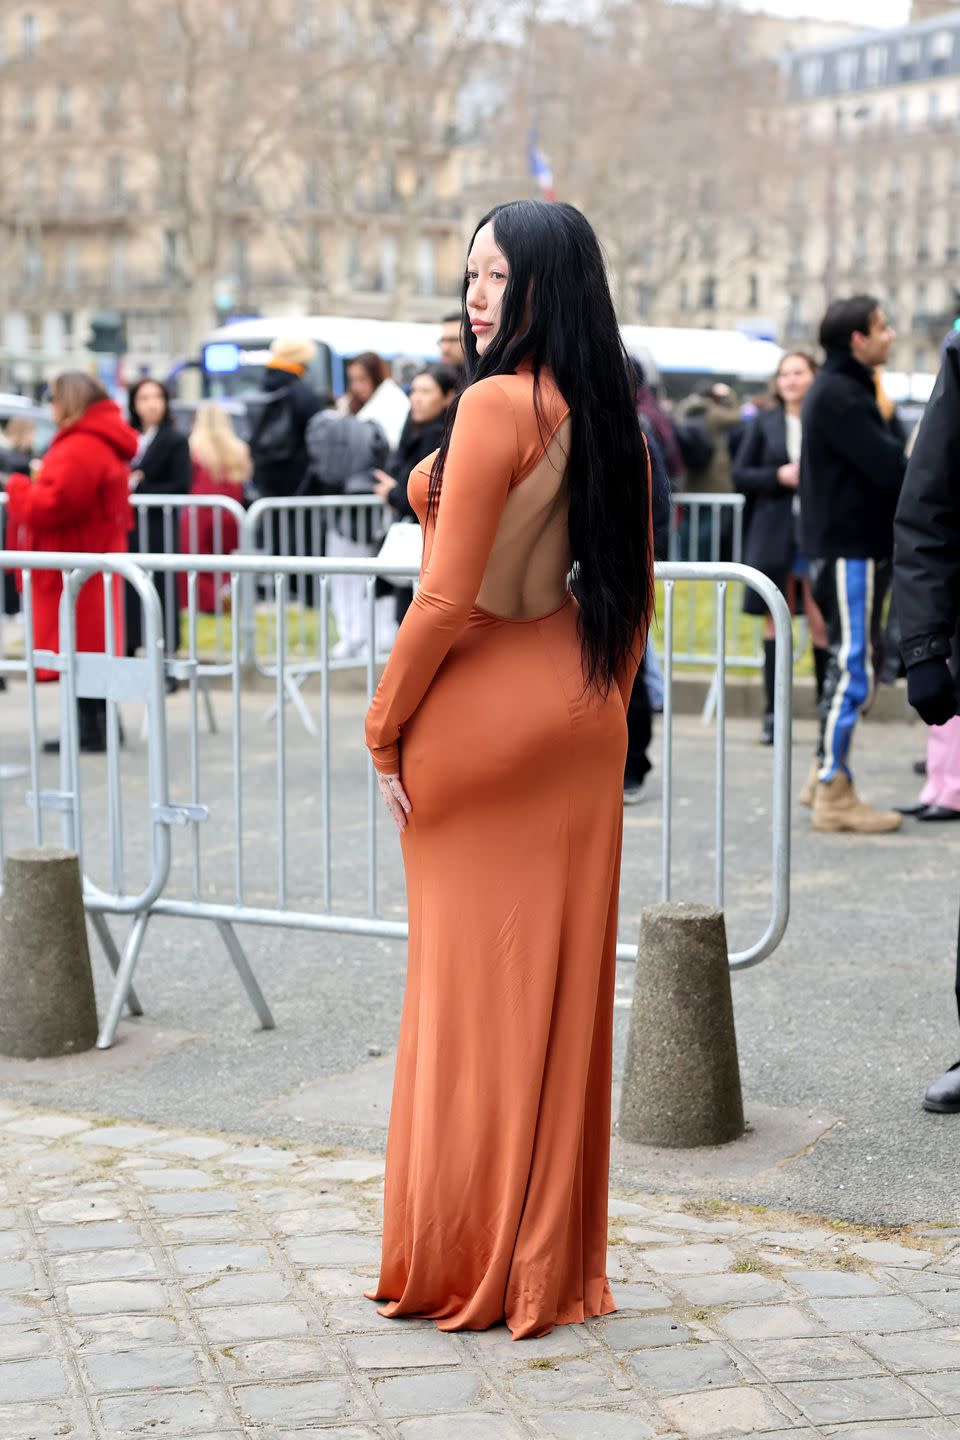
<point x="165" y="1282"/>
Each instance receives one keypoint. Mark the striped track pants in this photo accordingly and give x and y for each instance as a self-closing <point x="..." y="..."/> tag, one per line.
<point x="850" y="594"/>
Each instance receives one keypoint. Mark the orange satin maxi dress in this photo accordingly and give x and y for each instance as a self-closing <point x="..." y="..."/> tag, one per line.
<point x="498" y="1146"/>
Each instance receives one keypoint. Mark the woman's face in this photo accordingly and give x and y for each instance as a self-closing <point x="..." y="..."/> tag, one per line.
<point x="427" y="400"/>
<point x="487" y="274"/>
<point x="794" y="379"/>
<point x="359" y="384"/>
<point x="150" y="405"/>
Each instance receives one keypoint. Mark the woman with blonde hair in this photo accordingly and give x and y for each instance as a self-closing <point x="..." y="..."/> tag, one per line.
<point x="221" y="466"/>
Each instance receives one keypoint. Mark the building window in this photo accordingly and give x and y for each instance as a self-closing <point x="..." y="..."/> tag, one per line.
<point x="933" y="108"/>
<point x="908" y="59"/>
<point x="753" y="292"/>
<point x="924" y="246"/>
<point x="811" y="75"/>
<point x="893" y="243"/>
<point x="64" y="107"/>
<point x="921" y="359"/>
<point x="66" y="30"/>
<point x="941" y="51"/>
<point x="118" y="262"/>
<point x="683" y="296"/>
<point x="307" y="28"/>
<point x="426" y="273"/>
<point x="28" y="109"/>
<point x="896" y="181"/>
<point x="795" y="319"/>
<point x="311" y="183"/>
<point x="239" y="259"/>
<point x="708" y="293"/>
<point x="115" y="176"/>
<point x="864" y="183"/>
<point x="388" y="263"/>
<point x="68" y="265"/>
<point x="32" y="262"/>
<point x="847" y="64"/>
<point x="314" y="251"/>
<point x="642" y="302"/>
<point x="953" y="238"/>
<point x="66" y="182"/>
<point x="29" y="36"/>
<point x="876" y="64"/>
<point x="860" y="245"/>
<point x="110" y="104"/>
<point x="920" y="306"/>
<point x="171" y="250"/>
<point x="903" y="114"/>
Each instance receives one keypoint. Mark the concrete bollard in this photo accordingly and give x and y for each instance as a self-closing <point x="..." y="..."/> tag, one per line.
<point x="681" y="1084"/>
<point x="47" y="1004"/>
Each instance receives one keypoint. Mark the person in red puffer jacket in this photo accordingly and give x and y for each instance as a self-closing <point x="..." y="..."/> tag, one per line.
<point x="78" y="500"/>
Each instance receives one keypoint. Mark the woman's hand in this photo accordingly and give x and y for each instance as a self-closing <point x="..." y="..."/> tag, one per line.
<point x="789" y="475"/>
<point x="383" y="484"/>
<point x="135" y="477"/>
<point x="396" y="799"/>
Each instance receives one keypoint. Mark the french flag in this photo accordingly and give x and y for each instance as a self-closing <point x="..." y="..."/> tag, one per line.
<point x="540" y="169"/>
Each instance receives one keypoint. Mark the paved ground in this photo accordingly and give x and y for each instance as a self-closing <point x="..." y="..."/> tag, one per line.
<point x="838" y="1034"/>
<point x="196" y="1286"/>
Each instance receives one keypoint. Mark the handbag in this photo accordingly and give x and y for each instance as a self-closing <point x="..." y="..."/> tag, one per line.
<point x="402" y="545"/>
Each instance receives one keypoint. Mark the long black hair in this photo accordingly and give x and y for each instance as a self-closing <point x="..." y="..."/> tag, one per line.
<point x="557" y="315"/>
<point x="135" y="421"/>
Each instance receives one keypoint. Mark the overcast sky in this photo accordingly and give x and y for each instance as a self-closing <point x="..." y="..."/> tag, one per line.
<point x="860" y="12"/>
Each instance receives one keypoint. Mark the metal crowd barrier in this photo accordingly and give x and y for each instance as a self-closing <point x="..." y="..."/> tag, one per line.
<point x="284" y="873"/>
<point x="304" y="528"/>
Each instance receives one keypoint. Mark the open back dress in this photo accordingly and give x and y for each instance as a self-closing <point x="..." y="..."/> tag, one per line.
<point x="498" y="1147"/>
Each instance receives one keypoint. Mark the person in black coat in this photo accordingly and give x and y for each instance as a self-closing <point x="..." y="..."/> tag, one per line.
<point x="926" y="585"/>
<point x="162" y="466"/>
<point x="16" y="458"/>
<point x="851" y="470"/>
<point x="766" y="470"/>
<point x="431" y="392"/>
<point x="279" y="419"/>
<point x="639" y="709"/>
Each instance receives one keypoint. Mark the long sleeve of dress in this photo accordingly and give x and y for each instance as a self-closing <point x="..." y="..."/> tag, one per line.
<point x="481" y="462"/>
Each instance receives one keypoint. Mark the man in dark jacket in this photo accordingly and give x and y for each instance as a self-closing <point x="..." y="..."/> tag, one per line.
<point x="926" y="586"/>
<point x="279" y="419"/>
<point x="851" y="470"/>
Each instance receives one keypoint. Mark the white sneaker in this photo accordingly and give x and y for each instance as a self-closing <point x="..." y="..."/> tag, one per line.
<point x="344" y="650"/>
<point x="632" y="794"/>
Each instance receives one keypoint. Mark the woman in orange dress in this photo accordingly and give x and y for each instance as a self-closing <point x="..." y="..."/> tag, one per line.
<point x="499" y="737"/>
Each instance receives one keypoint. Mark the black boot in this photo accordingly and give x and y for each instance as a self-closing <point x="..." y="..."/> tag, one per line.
<point x="943" y="1096"/>
<point x="769" y="672"/>
<point x="821" y="659"/>
<point x="92" y="729"/>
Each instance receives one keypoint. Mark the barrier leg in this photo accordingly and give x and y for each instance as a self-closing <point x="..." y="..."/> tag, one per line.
<point x="292" y="686"/>
<point x="681" y="1083"/>
<point x="121" y="987"/>
<point x="243" y="968"/>
<point x="208" y="705"/>
<point x="109" y="947"/>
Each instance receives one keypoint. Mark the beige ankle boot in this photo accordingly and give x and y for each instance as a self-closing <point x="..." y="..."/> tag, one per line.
<point x="836" y="806"/>
<point x="810" y="784"/>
